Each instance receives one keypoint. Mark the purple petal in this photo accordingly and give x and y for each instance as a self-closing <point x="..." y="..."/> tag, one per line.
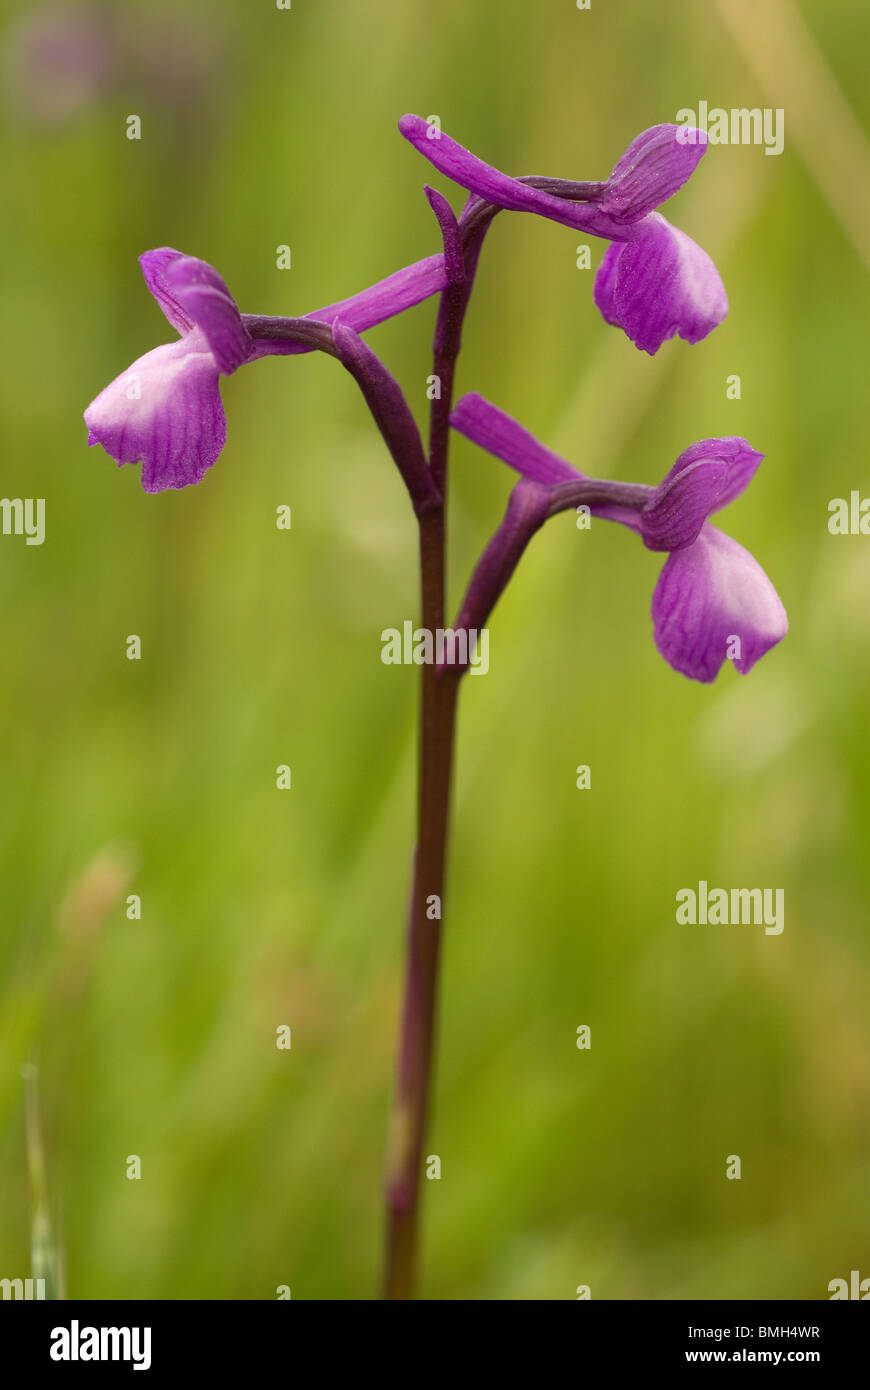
<point x="712" y="601"/>
<point x="486" y="425"/>
<point x="399" y="291"/>
<point x="492" y="429"/>
<point x="705" y="478"/>
<point x="659" y="283"/>
<point x="204" y="297"/>
<point x="653" y="167"/>
<point x="604" y="289"/>
<point x="165" y="410"/>
<point x="154" y="267"/>
<point x="464" y="168"/>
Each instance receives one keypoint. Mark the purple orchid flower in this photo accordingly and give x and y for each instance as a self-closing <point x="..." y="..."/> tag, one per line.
<point x="166" y="410"/>
<point x="712" y="602"/>
<point x="659" y="283"/>
<point x="712" y="599"/>
<point x="654" y="281"/>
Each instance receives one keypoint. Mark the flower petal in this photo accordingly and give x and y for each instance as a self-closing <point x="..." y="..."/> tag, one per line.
<point x="204" y="298"/>
<point x="154" y="267"/>
<point x="604" y="289"/>
<point x="706" y="477"/>
<point x="165" y="410"/>
<point x="464" y="168"/>
<point x="484" y="424"/>
<point x="659" y="283"/>
<point x="399" y="291"/>
<point x="503" y="437"/>
<point x="712" y="601"/>
<point x="653" y="167"/>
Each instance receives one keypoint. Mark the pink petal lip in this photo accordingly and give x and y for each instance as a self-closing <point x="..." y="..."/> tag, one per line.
<point x="714" y="601"/>
<point x="660" y="283"/>
<point x="165" y="411"/>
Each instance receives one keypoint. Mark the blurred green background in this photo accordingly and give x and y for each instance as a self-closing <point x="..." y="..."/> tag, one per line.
<point x="260" y="647"/>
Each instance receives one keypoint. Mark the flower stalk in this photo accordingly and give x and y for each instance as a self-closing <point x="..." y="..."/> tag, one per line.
<point x="712" y="601"/>
<point x="439" y="691"/>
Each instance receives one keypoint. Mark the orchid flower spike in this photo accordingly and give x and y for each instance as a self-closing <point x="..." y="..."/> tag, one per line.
<point x="712" y="601"/>
<point x="166" y="410"/>
<point x="654" y="281"/>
